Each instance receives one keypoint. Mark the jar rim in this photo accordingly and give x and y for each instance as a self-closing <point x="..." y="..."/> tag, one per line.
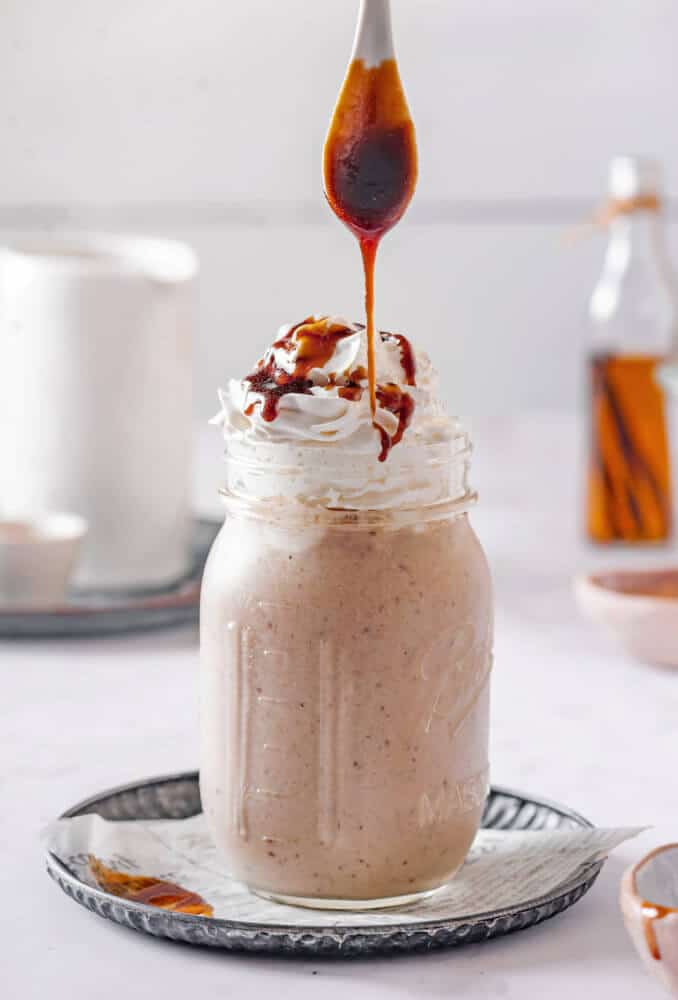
<point x="303" y="512"/>
<point x="325" y="478"/>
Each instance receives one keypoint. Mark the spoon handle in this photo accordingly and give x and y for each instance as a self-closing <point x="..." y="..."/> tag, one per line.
<point x="374" y="37"/>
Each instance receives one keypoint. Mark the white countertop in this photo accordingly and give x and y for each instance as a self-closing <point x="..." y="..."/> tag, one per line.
<point x="573" y="720"/>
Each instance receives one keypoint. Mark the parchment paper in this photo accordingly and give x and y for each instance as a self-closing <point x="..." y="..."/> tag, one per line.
<point x="503" y="869"/>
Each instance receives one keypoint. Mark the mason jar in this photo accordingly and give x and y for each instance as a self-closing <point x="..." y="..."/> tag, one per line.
<point x="345" y="666"/>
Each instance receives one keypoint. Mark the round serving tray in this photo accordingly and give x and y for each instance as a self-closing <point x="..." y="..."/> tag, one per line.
<point x="93" y="613"/>
<point x="178" y="797"/>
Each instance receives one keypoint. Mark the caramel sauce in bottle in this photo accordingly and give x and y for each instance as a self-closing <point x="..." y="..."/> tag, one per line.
<point x="370" y="169"/>
<point x="629" y="478"/>
<point x="151" y="891"/>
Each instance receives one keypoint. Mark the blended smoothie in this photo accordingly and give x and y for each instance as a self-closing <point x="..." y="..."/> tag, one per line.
<point x="346" y="629"/>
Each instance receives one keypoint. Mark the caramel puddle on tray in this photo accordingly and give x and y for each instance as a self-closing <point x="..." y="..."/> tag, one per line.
<point x="151" y="891"/>
<point x="370" y="169"/>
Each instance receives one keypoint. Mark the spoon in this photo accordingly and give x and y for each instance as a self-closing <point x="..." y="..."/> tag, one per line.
<point x="373" y="41"/>
<point x="370" y="156"/>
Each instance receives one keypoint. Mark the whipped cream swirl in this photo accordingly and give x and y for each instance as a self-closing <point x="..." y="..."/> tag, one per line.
<point x="300" y="426"/>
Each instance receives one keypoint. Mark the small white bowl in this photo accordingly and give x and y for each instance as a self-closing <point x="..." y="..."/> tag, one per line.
<point x="637" y="608"/>
<point x="649" y="902"/>
<point x="37" y="559"/>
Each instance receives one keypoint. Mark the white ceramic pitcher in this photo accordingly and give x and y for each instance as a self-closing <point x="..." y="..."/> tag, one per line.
<point x="95" y="397"/>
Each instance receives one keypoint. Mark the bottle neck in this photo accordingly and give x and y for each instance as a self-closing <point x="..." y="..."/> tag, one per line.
<point x="641" y="232"/>
<point x="635" y="303"/>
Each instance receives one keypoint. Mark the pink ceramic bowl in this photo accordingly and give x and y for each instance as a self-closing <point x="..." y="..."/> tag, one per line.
<point x="649" y="902"/>
<point x="639" y="608"/>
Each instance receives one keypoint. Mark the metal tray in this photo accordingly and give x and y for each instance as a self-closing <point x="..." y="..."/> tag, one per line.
<point x="95" y="613"/>
<point x="178" y="797"/>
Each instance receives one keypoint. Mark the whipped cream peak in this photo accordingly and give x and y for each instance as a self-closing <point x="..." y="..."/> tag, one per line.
<point x="324" y="343"/>
<point x="300" y="424"/>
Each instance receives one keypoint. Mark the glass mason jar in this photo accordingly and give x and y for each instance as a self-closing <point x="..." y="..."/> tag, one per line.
<point x="345" y="663"/>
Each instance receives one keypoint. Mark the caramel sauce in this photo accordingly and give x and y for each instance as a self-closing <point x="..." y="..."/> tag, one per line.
<point x="652" y="912"/>
<point x="392" y="398"/>
<point x="352" y="392"/>
<point x="407" y="359"/>
<point x="370" y="170"/>
<point x="264" y="382"/>
<point x="629" y="479"/>
<point x="152" y="891"/>
<point x="406" y="356"/>
<point x="314" y="342"/>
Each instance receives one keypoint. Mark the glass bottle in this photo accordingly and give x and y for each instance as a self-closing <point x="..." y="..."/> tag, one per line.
<point x="634" y="312"/>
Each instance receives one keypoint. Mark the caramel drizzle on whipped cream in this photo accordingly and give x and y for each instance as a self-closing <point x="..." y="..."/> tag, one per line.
<point x="313" y="342"/>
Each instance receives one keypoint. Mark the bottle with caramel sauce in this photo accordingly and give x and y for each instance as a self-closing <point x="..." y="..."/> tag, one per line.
<point x="634" y="311"/>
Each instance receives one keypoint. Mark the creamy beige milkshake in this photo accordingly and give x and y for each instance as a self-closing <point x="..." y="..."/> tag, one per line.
<point x="346" y="629"/>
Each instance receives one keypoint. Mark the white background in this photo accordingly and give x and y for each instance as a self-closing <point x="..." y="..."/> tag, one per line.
<point x="205" y="120"/>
